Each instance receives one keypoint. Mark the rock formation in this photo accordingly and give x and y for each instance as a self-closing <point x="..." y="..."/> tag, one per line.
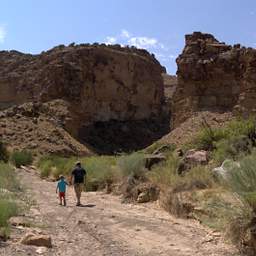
<point x="213" y="76"/>
<point x="114" y="96"/>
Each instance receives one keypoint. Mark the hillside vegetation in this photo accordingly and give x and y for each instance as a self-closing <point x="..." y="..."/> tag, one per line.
<point x="224" y="200"/>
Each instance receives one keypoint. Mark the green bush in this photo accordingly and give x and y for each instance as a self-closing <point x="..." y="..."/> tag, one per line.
<point x="133" y="164"/>
<point x="7" y="178"/>
<point x="166" y="176"/>
<point x="208" y="138"/>
<point x="231" y="148"/>
<point x="3" y="152"/>
<point x="19" y="158"/>
<point x="241" y="179"/>
<point x="8" y="188"/>
<point x="101" y="172"/>
<point x="7" y="210"/>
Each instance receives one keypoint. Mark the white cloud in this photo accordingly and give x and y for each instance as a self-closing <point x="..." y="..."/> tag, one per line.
<point x="2" y="34"/>
<point x="163" y="53"/>
<point x="125" y="34"/>
<point x="172" y="56"/>
<point x="111" y="40"/>
<point x="143" y="42"/>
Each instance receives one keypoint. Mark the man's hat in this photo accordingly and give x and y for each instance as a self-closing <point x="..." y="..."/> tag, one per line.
<point x="78" y="163"/>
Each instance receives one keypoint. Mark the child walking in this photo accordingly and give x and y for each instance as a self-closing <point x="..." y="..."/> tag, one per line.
<point x="61" y="186"/>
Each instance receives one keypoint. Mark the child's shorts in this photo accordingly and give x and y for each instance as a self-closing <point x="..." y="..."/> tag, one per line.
<point x="62" y="194"/>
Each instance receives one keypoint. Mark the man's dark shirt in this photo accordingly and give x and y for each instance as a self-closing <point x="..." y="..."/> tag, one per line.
<point x="79" y="174"/>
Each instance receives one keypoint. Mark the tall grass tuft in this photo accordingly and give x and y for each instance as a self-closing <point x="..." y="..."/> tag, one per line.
<point x="209" y="136"/>
<point x="8" y="206"/>
<point x="19" y="158"/>
<point x="242" y="180"/>
<point x="166" y="176"/>
<point x="133" y="164"/>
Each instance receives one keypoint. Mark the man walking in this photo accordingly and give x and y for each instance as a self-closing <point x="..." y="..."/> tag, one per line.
<point x="78" y="179"/>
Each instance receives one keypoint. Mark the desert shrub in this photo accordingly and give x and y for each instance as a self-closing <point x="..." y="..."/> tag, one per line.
<point x="132" y="165"/>
<point x="242" y="181"/>
<point x="45" y="169"/>
<point x="100" y="172"/>
<point x="7" y="210"/>
<point x="8" y="188"/>
<point x="199" y="177"/>
<point x="231" y="148"/>
<point x="55" y="166"/>
<point x="166" y="176"/>
<point x="7" y="178"/>
<point x="19" y="158"/>
<point x="208" y="138"/>
<point x="3" y="152"/>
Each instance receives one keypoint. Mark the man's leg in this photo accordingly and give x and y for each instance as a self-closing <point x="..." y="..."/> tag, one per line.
<point x="78" y="193"/>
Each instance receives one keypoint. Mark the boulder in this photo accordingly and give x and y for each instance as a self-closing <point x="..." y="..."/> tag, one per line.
<point x="146" y="192"/>
<point x="19" y="221"/>
<point x="37" y="240"/>
<point x="196" y="157"/>
<point x="191" y="159"/>
<point x="143" y="197"/>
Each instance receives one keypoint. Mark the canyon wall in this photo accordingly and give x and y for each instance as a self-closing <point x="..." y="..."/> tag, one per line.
<point x="110" y="91"/>
<point x="213" y="76"/>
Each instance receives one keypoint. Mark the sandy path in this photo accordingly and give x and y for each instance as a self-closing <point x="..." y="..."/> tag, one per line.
<point x="105" y="226"/>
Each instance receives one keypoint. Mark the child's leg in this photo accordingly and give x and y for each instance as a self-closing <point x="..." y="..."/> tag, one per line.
<point x="60" y="197"/>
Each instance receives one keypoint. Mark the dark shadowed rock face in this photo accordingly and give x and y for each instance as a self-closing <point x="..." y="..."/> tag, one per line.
<point x="102" y="86"/>
<point x="214" y="76"/>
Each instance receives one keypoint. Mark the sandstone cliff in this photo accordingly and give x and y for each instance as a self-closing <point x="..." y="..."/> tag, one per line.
<point x="114" y="96"/>
<point x="213" y="76"/>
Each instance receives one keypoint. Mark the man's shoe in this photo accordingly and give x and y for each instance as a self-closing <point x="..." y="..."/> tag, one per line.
<point x="78" y="204"/>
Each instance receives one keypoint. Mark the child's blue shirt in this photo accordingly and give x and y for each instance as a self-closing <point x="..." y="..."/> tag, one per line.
<point x="62" y="185"/>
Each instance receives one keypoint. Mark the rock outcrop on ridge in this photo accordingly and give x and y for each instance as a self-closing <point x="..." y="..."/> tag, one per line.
<point x="213" y="76"/>
<point x="114" y="96"/>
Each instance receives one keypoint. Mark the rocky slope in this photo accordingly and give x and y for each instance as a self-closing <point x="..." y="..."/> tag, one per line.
<point x="114" y="97"/>
<point x="39" y="127"/>
<point x="213" y="76"/>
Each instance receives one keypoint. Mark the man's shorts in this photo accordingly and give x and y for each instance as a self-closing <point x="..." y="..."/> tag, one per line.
<point x="78" y="188"/>
<point x="62" y="195"/>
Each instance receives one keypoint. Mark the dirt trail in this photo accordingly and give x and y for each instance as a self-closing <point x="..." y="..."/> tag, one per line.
<point x="105" y="226"/>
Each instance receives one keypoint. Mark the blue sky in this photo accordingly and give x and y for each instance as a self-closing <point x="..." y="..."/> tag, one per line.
<point x="157" y="25"/>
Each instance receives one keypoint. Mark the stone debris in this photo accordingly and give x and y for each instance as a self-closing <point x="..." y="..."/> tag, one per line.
<point x="37" y="240"/>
